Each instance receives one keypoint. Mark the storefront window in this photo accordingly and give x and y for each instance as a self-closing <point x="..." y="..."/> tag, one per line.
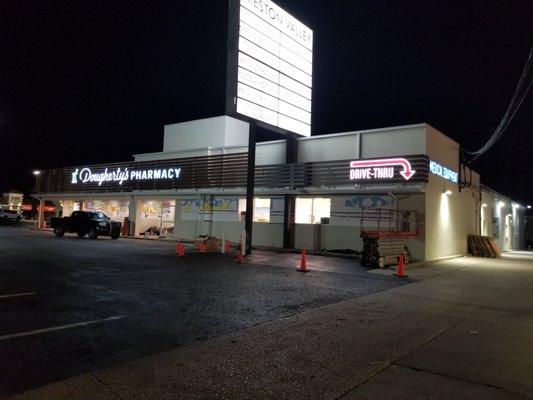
<point x="156" y="217"/>
<point x="190" y="209"/>
<point x="150" y="210"/>
<point x="311" y="211"/>
<point x="117" y="210"/>
<point x="261" y="210"/>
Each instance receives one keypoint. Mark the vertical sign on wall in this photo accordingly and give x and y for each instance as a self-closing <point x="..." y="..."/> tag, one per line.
<point x="270" y="66"/>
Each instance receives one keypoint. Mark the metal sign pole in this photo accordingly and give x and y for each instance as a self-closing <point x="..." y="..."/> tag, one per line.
<point x="291" y="157"/>
<point x="250" y="185"/>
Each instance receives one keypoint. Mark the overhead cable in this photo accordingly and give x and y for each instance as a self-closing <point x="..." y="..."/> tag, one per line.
<point x="516" y="101"/>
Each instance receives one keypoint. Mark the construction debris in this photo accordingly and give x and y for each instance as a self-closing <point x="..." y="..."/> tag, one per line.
<point x="483" y="246"/>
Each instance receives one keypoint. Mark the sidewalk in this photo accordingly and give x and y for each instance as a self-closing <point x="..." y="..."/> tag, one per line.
<point x="464" y="331"/>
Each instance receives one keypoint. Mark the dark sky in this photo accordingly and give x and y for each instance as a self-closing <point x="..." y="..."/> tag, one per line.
<point x="85" y="82"/>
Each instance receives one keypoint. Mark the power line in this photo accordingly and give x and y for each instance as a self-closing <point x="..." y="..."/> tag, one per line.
<point x="516" y="101"/>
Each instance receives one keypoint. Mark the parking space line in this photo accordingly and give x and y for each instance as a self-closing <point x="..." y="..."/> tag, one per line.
<point x="60" y="327"/>
<point x="8" y="296"/>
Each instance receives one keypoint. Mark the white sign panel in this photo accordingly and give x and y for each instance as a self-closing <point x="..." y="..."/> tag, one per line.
<point x="275" y="67"/>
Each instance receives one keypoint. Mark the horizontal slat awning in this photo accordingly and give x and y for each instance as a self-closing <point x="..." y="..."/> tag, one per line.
<point x="217" y="171"/>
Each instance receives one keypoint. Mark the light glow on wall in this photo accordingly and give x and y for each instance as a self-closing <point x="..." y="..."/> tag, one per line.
<point x="444" y="211"/>
<point x="483" y="219"/>
<point x="275" y="67"/>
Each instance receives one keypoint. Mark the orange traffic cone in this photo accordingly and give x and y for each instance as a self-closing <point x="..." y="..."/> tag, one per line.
<point x="182" y="250"/>
<point x="202" y="247"/>
<point x="227" y="249"/>
<point x="303" y="262"/>
<point x="178" y="249"/>
<point x="400" y="270"/>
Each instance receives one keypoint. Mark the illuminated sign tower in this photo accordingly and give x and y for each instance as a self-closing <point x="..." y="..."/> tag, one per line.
<point x="270" y="66"/>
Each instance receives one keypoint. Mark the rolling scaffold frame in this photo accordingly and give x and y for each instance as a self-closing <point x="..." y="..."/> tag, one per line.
<point x="384" y="233"/>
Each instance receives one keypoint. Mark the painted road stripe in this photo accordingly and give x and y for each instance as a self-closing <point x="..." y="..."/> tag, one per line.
<point x="8" y="296"/>
<point x="59" y="328"/>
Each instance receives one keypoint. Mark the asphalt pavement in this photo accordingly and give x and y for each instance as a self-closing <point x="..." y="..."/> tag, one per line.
<point x="72" y="306"/>
<point x="462" y="330"/>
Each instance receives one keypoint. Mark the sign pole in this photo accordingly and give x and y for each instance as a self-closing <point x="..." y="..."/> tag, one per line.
<point x="291" y="157"/>
<point x="250" y="185"/>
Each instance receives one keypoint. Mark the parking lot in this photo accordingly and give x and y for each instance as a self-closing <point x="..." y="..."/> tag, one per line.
<point x="71" y="305"/>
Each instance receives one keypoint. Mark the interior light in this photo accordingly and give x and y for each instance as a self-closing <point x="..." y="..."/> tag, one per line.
<point x="36" y="172"/>
<point x="484" y="205"/>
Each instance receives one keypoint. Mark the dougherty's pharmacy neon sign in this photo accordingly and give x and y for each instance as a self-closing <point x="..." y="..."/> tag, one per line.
<point x="85" y="175"/>
<point x="380" y="169"/>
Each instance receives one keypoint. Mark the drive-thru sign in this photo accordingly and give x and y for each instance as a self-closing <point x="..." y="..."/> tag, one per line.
<point x="385" y="168"/>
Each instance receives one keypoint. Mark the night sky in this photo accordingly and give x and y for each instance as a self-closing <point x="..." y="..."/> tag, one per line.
<point x="85" y="82"/>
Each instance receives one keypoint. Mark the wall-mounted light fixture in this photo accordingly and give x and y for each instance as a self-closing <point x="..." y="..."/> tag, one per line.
<point x="529" y="207"/>
<point x="36" y="172"/>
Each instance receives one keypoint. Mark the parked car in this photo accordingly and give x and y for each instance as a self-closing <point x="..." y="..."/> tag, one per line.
<point x="83" y="223"/>
<point x="10" y="215"/>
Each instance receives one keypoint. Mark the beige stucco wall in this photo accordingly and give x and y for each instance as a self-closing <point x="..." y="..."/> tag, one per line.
<point x="503" y="220"/>
<point x="442" y="149"/>
<point x="449" y="218"/>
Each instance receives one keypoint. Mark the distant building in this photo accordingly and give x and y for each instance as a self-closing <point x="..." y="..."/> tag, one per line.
<point x="11" y="200"/>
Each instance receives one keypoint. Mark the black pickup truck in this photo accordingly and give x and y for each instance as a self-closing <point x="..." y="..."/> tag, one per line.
<point x="83" y="223"/>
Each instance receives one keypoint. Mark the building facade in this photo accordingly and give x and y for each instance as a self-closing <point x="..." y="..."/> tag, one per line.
<point x="197" y="186"/>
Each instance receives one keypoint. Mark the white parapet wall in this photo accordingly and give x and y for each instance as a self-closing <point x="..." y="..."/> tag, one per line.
<point x="213" y="132"/>
<point x="374" y="143"/>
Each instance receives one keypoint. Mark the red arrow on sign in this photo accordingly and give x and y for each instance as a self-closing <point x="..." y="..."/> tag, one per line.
<point x="407" y="172"/>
